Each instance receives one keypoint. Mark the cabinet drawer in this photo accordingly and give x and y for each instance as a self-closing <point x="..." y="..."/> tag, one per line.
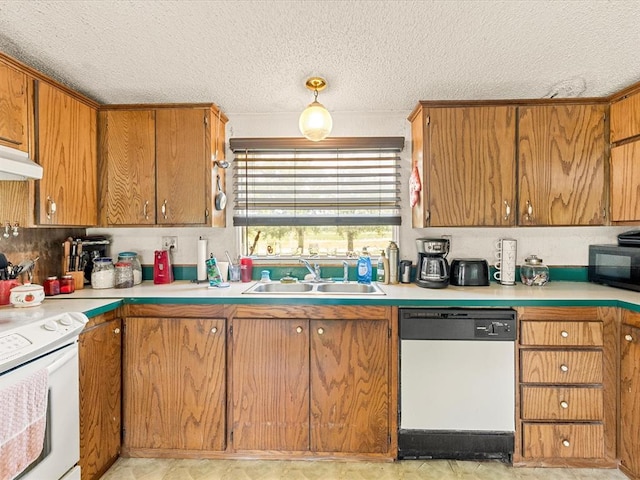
<point x="561" y="366"/>
<point x="587" y="334"/>
<point x="562" y="403"/>
<point x="564" y="440"/>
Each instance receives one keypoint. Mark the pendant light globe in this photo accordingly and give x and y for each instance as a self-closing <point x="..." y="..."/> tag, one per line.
<point x="315" y="121"/>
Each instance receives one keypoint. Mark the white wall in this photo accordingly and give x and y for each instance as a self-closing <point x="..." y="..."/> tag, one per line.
<point x="556" y="245"/>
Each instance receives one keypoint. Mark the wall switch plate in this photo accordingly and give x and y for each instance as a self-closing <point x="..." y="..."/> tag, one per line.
<point x="170" y="242"/>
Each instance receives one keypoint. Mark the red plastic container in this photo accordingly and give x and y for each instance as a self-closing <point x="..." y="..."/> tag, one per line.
<point x="246" y="269"/>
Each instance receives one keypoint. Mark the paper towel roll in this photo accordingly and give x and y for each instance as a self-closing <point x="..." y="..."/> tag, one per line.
<point x="202" y="260"/>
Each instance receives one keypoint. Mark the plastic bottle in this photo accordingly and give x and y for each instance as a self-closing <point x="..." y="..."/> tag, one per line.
<point x="381" y="271"/>
<point x="364" y="268"/>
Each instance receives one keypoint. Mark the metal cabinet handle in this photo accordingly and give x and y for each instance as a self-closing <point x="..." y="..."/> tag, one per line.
<point x="564" y="334"/>
<point x="51" y="207"/>
<point x="144" y="210"/>
<point x="528" y="212"/>
<point x="427" y="215"/>
<point x="628" y="338"/>
<point x="507" y="210"/>
<point x="564" y="368"/>
<point x="566" y="443"/>
<point x="320" y="331"/>
<point x="214" y="330"/>
<point x="564" y="404"/>
<point x="299" y="329"/>
<point x="116" y="330"/>
<point x="164" y="209"/>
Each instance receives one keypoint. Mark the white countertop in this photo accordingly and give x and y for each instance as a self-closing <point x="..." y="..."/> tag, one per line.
<point x="402" y="294"/>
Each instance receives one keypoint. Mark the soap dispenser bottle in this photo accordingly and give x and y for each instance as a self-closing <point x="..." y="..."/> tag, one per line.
<point x="364" y="268"/>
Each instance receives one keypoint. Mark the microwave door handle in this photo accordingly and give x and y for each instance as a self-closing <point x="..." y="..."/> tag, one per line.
<point x="61" y="361"/>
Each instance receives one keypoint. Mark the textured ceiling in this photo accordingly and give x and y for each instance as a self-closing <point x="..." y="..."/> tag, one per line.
<point x="254" y="56"/>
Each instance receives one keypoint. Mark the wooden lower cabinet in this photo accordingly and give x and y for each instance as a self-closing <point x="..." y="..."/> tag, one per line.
<point x="566" y="387"/>
<point x="174" y="385"/>
<point x="629" y="450"/>
<point x="312" y="386"/>
<point x="100" y="394"/>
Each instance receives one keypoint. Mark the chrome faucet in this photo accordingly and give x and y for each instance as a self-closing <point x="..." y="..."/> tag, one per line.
<point x="313" y="271"/>
<point x="345" y="271"/>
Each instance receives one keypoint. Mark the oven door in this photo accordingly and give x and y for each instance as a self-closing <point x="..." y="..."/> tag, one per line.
<point x="61" y="450"/>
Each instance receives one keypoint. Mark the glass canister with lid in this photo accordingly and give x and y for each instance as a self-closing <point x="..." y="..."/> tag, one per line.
<point x="123" y="275"/>
<point x="132" y="258"/>
<point x="103" y="273"/>
<point x="534" y="272"/>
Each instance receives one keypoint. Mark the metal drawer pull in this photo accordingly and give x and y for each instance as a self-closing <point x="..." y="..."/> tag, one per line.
<point x="564" y="404"/>
<point x="628" y="338"/>
<point x="320" y="331"/>
<point x="214" y="330"/>
<point x="116" y="330"/>
<point x="564" y="368"/>
<point x="299" y="329"/>
<point x="566" y="443"/>
<point x="564" y="334"/>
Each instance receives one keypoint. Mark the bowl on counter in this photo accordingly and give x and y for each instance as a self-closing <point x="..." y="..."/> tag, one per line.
<point x="28" y="295"/>
<point x="469" y="272"/>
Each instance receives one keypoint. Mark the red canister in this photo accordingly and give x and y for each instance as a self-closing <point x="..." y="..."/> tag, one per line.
<point x="246" y="269"/>
<point x="51" y="286"/>
<point x="67" y="284"/>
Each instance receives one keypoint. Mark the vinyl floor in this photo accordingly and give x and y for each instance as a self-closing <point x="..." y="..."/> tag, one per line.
<point x="171" y="469"/>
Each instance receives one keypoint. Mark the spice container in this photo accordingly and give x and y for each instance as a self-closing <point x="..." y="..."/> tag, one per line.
<point x="51" y="286"/>
<point x="132" y="258"/>
<point x="102" y="275"/>
<point x="534" y="272"/>
<point x="67" y="284"/>
<point x="123" y="276"/>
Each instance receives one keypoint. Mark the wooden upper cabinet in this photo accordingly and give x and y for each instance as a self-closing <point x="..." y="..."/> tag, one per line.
<point x="471" y="166"/>
<point x="183" y="172"/>
<point x="67" y="151"/>
<point x="625" y="118"/>
<point x="625" y="182"/>
<point x="562" y="165"/>
<point x="127" y="167"/>
<point x="14" y="108"/>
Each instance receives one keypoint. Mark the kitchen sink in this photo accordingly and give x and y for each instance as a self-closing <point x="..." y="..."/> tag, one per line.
<point x="323" y="288"/>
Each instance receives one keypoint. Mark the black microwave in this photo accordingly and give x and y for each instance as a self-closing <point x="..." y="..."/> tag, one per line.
<point x="615" y="265"/>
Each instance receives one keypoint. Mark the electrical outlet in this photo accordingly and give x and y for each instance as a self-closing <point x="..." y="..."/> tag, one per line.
<point x="170" y="242"/>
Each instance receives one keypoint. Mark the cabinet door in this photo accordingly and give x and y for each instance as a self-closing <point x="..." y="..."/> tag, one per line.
<point x="182" y="167"/>
<point x="128" y="167"/>
<point x="625" y="182"/>
<point x="175" y="384"/>
<point x="270" y="378"/>
<point x="561" y="165"/>
<point x="100" y="394"/>
<point x="630" y="398"/>
<point x="349" y="386"/>
<point x="67" y="152"/>
<point x="625" y="118"/>
<point x="14" y="108"/>
<point x="471" y="166"/>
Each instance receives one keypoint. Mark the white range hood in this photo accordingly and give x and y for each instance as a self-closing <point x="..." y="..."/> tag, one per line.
<point x="16" y="165"/>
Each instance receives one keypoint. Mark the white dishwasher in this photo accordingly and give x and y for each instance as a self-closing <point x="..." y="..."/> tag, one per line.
<point x="457" y="383"/>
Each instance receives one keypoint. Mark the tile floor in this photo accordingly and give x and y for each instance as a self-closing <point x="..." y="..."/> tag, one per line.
<point x="169" y="469"/>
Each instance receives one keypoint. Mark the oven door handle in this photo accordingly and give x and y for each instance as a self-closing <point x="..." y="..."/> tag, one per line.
<point x="51" y="369"/>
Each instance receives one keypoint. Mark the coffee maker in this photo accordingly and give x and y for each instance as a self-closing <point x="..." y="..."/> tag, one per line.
<point x="92" y="247"/>
<point x="433" y="268"/>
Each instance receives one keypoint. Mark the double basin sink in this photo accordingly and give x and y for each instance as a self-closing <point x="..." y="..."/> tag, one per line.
<point x="315" y="288"/>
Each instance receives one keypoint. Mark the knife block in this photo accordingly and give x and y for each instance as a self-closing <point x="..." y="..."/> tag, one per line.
<point x="78" y="279"/>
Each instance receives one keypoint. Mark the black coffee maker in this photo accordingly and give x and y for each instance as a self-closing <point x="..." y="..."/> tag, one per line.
<point x="92" y="247"/>
<point x="433" y="268"/>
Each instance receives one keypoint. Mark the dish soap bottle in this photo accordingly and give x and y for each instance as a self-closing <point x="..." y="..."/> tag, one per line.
<point x="363" y="268"/>
<point x="381" y="271"/>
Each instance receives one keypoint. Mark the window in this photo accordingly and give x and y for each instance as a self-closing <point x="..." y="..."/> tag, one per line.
<point x="332" y="198"/>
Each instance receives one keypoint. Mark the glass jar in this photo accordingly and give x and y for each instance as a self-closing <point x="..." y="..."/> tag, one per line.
<point x="51" y="286"/>
<point x="67" y="284"/>
<point x="132" y="258"/>
<point x="102" y="275"/>
<point x="534" y="272"/>
<point x="123" y="275"/>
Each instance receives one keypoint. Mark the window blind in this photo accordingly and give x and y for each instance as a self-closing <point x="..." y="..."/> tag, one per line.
<point x="296" y="182"/>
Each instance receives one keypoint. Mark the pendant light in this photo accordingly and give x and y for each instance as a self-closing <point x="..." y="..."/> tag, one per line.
<point x="315" y="121"/>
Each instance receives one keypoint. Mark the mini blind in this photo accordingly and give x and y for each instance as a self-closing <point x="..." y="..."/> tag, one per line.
<point x="296" y="182"/>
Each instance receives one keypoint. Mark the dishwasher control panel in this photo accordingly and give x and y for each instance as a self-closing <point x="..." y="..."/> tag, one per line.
<point x="484" y="324"/>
